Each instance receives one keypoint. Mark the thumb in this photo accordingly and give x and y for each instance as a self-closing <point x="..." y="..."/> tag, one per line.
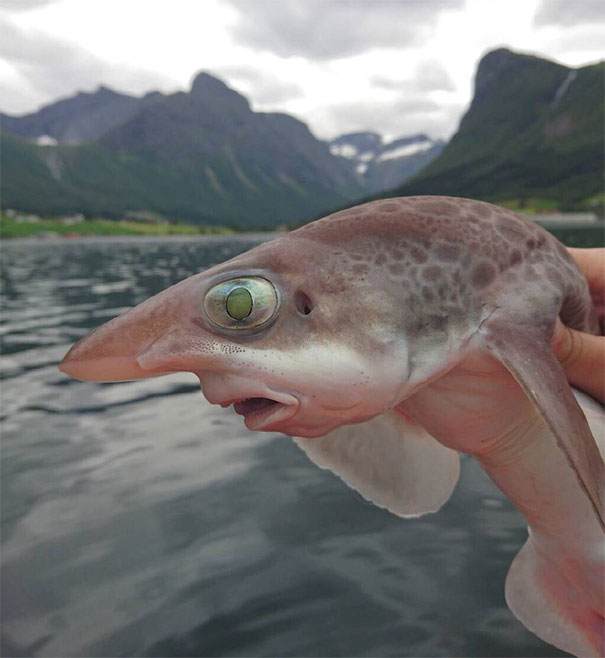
<point x="583" y="359"/>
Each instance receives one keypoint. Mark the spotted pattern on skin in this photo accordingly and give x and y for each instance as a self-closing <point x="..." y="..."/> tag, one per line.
<point x="483" y="274"/>
<point x="446" y="250"/>
<point x="419" y="255"/>
<point x="360" y="269"/>
<point x="231" y="348"/>
<point x="432" y="272"/>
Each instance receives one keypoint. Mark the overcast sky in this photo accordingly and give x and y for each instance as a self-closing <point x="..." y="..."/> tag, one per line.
<point x="392" y="66"/>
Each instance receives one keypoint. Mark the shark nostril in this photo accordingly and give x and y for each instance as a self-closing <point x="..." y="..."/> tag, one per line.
<point x="304" y="305"/>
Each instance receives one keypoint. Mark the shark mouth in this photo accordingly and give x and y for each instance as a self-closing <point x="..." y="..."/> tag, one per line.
<point x="264" y="413"/>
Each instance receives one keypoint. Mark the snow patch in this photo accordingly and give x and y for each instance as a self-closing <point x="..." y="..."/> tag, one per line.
<point x="564" y="86"/>
<point x="343" y="150"/>
<point x="405" y="151"/>
<point x="361" y="168"/>
<point x="46" y="140"/>
<point x="214" y="181"/>
<point x="52" y="159"/>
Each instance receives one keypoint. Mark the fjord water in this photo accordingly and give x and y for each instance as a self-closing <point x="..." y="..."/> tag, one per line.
<point x="139" y="520"/>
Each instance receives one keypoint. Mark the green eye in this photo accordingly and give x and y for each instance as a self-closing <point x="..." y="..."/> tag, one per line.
<point x="241" y="303"/>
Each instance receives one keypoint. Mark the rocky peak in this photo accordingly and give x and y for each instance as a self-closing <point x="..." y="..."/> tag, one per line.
<point x="362" y="142"/>
<point x="504" y="62"/>
<point x="210" y="90"/>
<point x="380" y="164"/>
<point x="491" y="66"/>
<point x="103" y="91"/>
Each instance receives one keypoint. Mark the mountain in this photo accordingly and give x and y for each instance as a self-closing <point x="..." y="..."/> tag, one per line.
<point x="202" y="156"/>
<point x="383" y="165"/>
<point x="534" y="129"/>
<point x="80" y="118"/>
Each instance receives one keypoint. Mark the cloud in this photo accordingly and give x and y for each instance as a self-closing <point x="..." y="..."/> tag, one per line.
<point x="20" y="95"/>
<point x="587" y="39"/>
<point x="405" y="116"/>
<point x="23" y="5"/>
<point x="324" y="29"/>
<point x="566" y="12"/>
<point x="429" y="76"/>
<point x="47" y="64"/>
<point x="262" y="87"/>
<point x="54" y="68"/>
<point x="390" y="84"/>
<point x="22" y="47"/>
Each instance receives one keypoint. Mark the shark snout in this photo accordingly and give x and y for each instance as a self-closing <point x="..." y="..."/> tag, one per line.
<point x="148" y="340"/>
<point x="107" y="354"/>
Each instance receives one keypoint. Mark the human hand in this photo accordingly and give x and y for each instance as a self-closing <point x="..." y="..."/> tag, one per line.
<point x="583" y="355"/>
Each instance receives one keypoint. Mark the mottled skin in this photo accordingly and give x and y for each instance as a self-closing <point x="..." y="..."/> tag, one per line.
<point x="453" y="255"/>
<point x="440" y="310"/>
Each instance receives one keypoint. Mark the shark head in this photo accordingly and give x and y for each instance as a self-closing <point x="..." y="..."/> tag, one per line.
<point x="297" y="334"/>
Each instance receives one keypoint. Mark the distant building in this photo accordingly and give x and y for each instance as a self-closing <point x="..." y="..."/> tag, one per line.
<point x="26" y="219"/>
<point x="70" y="220"/>
<point x="145" y="216"/>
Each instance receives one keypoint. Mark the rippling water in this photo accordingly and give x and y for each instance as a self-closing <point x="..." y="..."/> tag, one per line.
<point x="139" y="520"/>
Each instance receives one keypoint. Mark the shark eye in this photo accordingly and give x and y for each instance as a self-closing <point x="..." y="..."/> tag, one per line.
<point x="241" y="303"/>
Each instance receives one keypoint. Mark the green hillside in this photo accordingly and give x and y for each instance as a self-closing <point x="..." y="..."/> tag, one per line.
<point x="534" y="129"/>
<point x="97" y="181"/>
<point x="202" y="156"/>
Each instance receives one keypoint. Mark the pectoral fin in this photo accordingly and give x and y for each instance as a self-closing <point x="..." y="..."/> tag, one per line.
<point x="391" y="462"/>
<point x="526" y="353"/>
<point x="547" y="599"/>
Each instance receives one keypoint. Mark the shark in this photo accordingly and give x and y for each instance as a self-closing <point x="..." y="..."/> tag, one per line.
<point x="387" y="339"/>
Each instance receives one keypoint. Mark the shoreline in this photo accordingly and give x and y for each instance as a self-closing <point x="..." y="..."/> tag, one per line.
<point x="32" y="227"/>
<point x="175" y="237"/>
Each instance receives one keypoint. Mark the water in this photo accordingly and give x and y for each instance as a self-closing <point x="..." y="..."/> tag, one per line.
<point x="139" y="520"/>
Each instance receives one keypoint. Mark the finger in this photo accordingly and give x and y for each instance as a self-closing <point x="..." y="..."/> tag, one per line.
<point x="583" y="359"/>
<point x="592" y="264"/>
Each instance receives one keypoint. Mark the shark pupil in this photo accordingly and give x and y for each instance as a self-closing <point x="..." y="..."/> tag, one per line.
<point x="242" y="303"/>
<point x="239" y="303"/>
